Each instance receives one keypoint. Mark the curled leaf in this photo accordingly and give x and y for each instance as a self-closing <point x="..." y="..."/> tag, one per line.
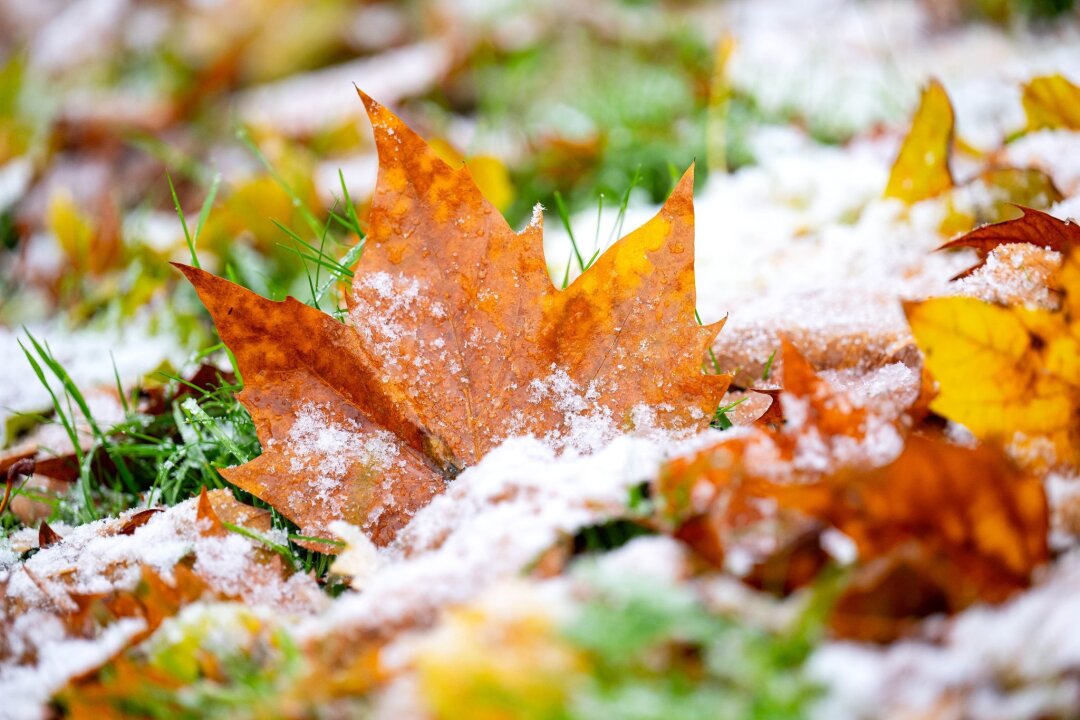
<point x="1034" y="226"/>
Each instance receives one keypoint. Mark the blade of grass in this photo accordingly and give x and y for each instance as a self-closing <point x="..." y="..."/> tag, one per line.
<point x="183" y="221"/>
<point x="564" y="215"/>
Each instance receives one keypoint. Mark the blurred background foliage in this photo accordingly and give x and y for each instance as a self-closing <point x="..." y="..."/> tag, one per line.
<point x="99" y="98"/>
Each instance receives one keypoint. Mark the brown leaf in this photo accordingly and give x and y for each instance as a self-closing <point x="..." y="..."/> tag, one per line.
<point x="456" y="340"/>
<point x="1034" y="226"/>
<point x="953" y="525"/>
<point x="18" y="467"/>
<point x="47" y="536"/>
<point x="821" y="407"/>
<point x="137" y="520"/>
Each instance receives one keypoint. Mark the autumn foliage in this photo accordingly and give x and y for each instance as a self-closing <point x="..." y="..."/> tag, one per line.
<point x="455" y="339"/>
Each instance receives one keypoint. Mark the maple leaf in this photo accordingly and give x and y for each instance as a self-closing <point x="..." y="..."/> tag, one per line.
<point x="921" y="169"/>
<point x="1034" y="227"/>
<point x="1008" y="374"/>
<point x="1051" y="101"/>
<point x="457" y="339"/>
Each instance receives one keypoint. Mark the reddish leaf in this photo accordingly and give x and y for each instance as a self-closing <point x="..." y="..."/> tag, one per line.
<point x="47" y="536"/>
<point x="1034" y="227"/>
<point x="137" y="520"/>
<point x="457" y="339"/>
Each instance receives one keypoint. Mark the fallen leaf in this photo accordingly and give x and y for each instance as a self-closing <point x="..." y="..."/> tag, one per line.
<point x="921" y="169"/>
<point x="1034" y="226"/>
<point x="1008" y="374"/>
<point x="47" y="536"/>
<point x="960" y="524"/>
<point x="1051" y="101"/>
<point x="457" y="339"/>
<point x="137" y="520"/>
<point x="711" y="499"/>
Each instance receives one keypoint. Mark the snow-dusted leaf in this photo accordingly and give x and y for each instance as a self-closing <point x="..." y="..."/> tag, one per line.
<point x="456" y="340"/>
<point x="1009" y="374"/>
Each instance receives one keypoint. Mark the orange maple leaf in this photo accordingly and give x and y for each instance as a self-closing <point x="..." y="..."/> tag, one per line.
<point x="456" y="339"/>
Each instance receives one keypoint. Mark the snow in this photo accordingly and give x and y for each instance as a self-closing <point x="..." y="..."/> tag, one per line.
<point x="26" y="689"/>
<point x="38" y="655"/>
<point x="89" y="356"/>
<point x="1018" y="660"/>
<point x="328" y="449"/>
<point x="493" y="521"/>
<point x="1016" y="274"/>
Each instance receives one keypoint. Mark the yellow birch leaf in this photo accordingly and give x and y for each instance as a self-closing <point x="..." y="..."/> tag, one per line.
<point x="921" y="169"/>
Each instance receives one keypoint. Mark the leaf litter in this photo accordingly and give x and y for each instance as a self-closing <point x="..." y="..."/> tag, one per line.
<point x="844" y="428"/>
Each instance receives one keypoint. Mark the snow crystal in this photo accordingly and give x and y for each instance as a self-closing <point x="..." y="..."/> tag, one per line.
<point x="588" y="425"/>
<point x="1014" y="274"/>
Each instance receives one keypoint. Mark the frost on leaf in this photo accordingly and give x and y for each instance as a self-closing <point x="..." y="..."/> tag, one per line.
<point x="1009" y="374"/>
<point x="454" y="331"/>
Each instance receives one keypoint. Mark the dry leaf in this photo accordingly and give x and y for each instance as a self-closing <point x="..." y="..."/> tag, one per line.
<point x="1008" y="373"/>
<point x="956" y="524"/>
<point x="456" y="340"/>
<point x="712" y="498"/>
<point x="1034" y="227"/>
<point x="921" y="169"/>
<point x="1053" y="102"/>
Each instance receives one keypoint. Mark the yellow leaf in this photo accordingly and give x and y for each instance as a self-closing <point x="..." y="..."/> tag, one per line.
<point x="73" y="229"/>
<point x="1007" y="374"/>
<point x="1052" y="102"/>
<point x="921" y="169"/>
<point x="488" y="172"/>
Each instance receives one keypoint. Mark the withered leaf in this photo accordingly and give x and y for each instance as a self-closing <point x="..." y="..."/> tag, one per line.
<point x="456" y="339"/>
<point x="961" y="524"/>
<point x="1034" y="226"/>
<point x="47" y="536"/>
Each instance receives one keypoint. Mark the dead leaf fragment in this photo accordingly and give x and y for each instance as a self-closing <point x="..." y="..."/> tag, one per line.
<point x="456" y="340"/>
